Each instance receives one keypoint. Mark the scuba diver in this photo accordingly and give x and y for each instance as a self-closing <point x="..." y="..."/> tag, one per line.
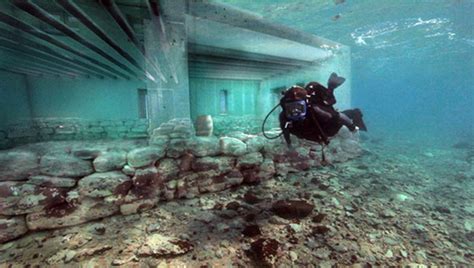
<point x="308" y="113"/>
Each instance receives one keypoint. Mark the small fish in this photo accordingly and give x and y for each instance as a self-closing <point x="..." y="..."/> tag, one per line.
<point x="337" y="2"/>
<point x="338" y="16"/>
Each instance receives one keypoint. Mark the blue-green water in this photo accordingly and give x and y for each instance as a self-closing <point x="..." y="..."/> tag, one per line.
<point x="412" y="61"/>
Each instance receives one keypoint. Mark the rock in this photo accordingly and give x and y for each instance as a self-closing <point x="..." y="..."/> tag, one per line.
<point x="255" y="144"/>
<point x="293" y="256"/>
<point x="251" y="230"/>
<point x="11" y="228"/>
<point x="69" y="256"/>
<point x="145" y="156"/>
<point x="17" y="166"/>
<point x="251" y="198"/>
<point x="159" y="140"/>
<point x="159" y="246"/>
<point x="87" y="252"/>
<point x="204" y="146"/>
<point x="147" y="183"/>
<point x="86" y="154"/>
<point x="232" y="146"/>
<point x="388" y="213"/>
<point x="444" y="210"/>
<point x="128" y="170"/>
<point x="296" y="227"/>
<point x="65" y="166"/>
<point x="177" y="148"/>
<point x="292" y="209"/>
<point x="220" y="164"/>
<point x="389" y="254"/>
<point x="86" y="211"/>
<point x="98" y="228"/>
<point x="250" y="160"/>
<point x="138" y="206"/>
<point x="110" y="161"/>
<point x="168" y="168"/>
<point x="104" y="184"/>
<point x="319" y="218"/>
<point x="265" y="251"/>
<point x="320" y="230"/>
<point x="48" y="181"/>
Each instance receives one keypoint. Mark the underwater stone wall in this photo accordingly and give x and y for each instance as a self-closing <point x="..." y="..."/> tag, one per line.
<point x="42" y="187"/>
<point x="224" y="124"/>
<point x="55" y="129"/>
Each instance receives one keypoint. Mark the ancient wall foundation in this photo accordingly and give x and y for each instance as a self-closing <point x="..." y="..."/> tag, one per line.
<point x="58" y="129"/>
<point x="52" y="185"/>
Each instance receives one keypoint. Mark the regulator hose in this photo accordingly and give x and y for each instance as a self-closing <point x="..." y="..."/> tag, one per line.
<point x="263" y="125"/>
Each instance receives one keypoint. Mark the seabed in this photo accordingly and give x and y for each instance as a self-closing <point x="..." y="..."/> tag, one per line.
<point x="396" y="205"/>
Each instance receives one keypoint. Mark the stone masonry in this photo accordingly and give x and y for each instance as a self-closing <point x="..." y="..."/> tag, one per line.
<point x="57" y="184"/>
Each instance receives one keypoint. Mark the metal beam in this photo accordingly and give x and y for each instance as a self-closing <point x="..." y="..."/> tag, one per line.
<point x="38" y="12"/>
<point x="15" y="23"/>
<point x="242" y="55"/>
<point x="33" y="53"/>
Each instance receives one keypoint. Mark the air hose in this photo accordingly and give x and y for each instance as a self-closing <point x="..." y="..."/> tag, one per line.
<point x="263" y="125"/>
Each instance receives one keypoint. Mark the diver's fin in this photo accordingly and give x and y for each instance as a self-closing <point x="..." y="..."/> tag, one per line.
<point x="335" y="81"/>
<point x="356" y="116"/>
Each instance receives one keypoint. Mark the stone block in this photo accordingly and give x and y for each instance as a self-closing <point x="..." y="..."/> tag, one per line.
<point x="104" y="184"/>
<point x="65" y="166"/>
<point x="17" y="165"/>
<point x="20" y="131"/>
<point x="250" y="160"/>
<point x="145" y="156"/>
<point x="232" y="146"/>
<point x="48" y="181"/>
<point x="12" y="227"/>
<point x="159" y="140"/>
<point x="177" y="148"/>
<point x="109" y="161"/>
<point x="204" y="146"/>
<point x="168" y="169"/>
<point x="255" y="143"/>
<point x="147" y="184"/>
<point x="221" y="164"/>
<point x="86" y="210"/>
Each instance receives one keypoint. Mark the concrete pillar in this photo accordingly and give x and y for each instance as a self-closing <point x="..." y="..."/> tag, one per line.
<point x="166" y="46"/>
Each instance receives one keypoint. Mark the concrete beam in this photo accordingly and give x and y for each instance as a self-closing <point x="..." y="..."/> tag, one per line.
<point x="20" y="71"/>
<point x="121" y="21"/>
<point x="217" y="68"/>
<point x="41" y="65"/>
<point x="231" y="16"/>
<point x="30" y="44"/>
<point x="43" y="15"/>
<point x="74" y="10"/>
<point x="221" y="61"/>
<point x="242" y="55"/>
<point x="33" y="53"/>
<point x="17" y="24"/>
